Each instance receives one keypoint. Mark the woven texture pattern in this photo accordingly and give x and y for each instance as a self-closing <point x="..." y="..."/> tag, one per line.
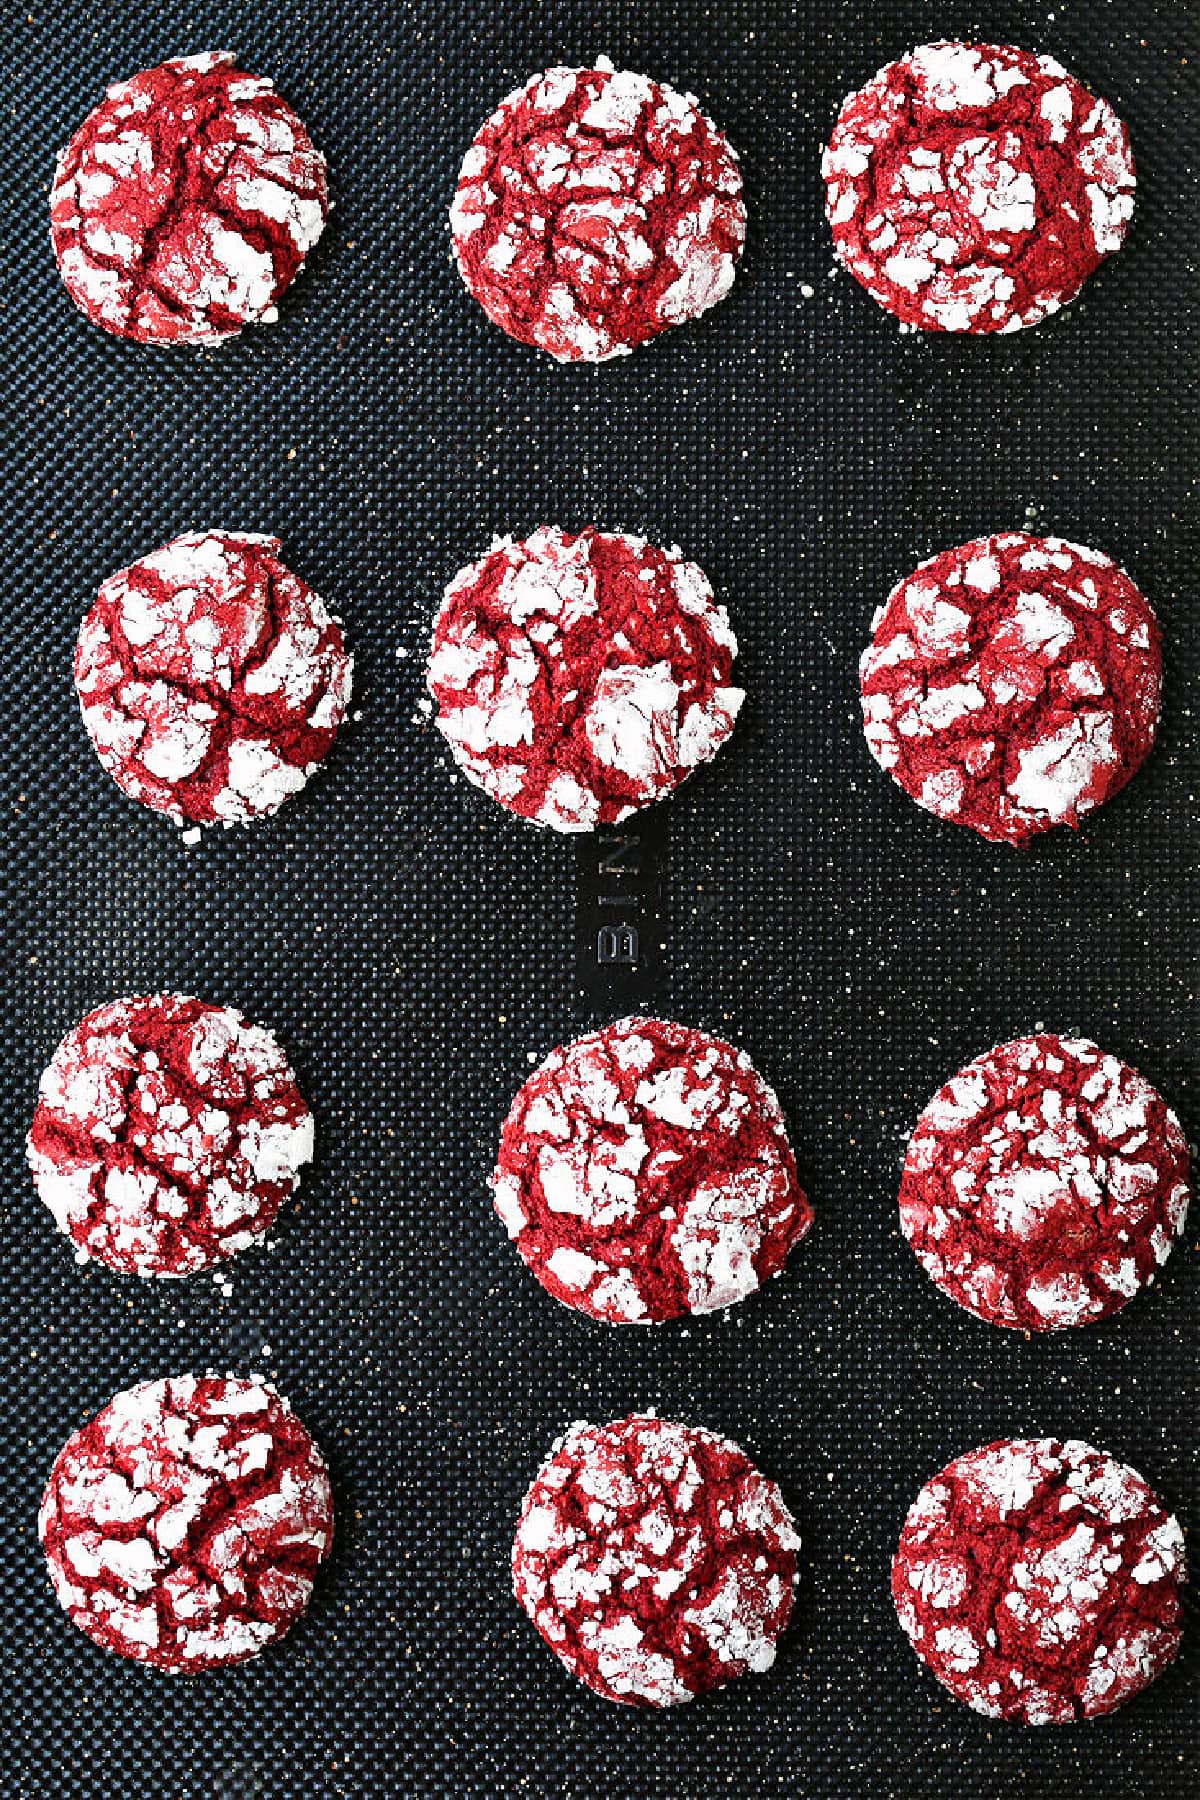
<point x="414" y="947"/>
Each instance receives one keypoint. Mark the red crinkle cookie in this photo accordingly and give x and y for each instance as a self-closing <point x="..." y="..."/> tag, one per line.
<point x="183" y="1526"/>
<point x="578" y="678"/>
<point x="1040" y="1581"/>
<point x="212" y="680"/>
<point x="975" y="187"/>
<point x="167" y="1135"/>
<point x="594" y="209"/>
<point x="655" y="1560"/>
<point x="186" y="203"/>
<point x="1045" y="1184"/>
<point x="1012" y="684"/>
<point x="645" y="1173"/>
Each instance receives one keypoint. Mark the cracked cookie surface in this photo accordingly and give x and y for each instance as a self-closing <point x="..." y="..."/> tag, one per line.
<point x="655" y="1560"/>
<point x="645" y="1173"/>
<point x="184" y="1524"/>
<point x="975" y="187"/>
<point x="186" y="203"/>
<point x="596" y="208"/>
<point x="1012" y="684"/>
<point x="211" y="679"/>
<point x="1040" y="1581"/>
<point x="579" y="677"/>
<point x="1045" y="1184"/>
<point x="168" y="1133"/>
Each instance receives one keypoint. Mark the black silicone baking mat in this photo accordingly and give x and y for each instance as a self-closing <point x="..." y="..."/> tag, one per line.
<point x="414" y="947"/>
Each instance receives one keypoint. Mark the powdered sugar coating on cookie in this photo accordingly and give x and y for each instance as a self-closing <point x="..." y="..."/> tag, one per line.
<point x="1040" y="1581"/>
<point x="186" y="203"/>
<point x="168" y="1133"/>
<point x="594" y="209"/>
<point x="211" y="679"/>
<point x="655" y="1560"/>
<point x="645" y="1173"/>
<point x="1045" y="1184"/>
<point x="975" y="187"/>
<point x="1012" y="684"/>
<point x="184" y="1524"/>
<point x="579" y="677"/>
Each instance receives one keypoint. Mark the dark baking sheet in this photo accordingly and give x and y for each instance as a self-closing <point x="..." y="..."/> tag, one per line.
<point x="415" y="948"/>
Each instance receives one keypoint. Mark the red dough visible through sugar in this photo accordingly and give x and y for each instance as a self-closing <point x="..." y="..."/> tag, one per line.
<point x="594" y="209"/>
<point x="212" y="680"/>
<point x="975" y="187"/>
<point x="1045" y="1184"/>
<point x="1012" y="684"/>
<point x="1040" y="1581"/>
<point x="579" y="677"/>
<point x="655" y="1560"/>
<point x="645" y="1173"/>
<point x="184" y="1524"/>
<point x="186" y="203"/>
<point x="167" y="1135"/>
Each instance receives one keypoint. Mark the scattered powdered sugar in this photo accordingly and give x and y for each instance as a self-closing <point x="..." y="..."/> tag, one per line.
<point x="644" y="1173"/>
<point x="577" y="678"/>
<point x="655" y="1560"/>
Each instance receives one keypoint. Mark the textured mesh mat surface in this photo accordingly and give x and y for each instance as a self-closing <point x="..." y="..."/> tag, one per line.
<point x="415" y="948"/>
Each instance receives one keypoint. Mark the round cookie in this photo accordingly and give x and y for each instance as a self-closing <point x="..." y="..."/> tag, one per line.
<point x="655" y="1560"/>
<point x="975" y="187"/>
<point x="1045" y="1184"/>
<point x="1012" y="684"/>
<point x="167" y="1135"/>
<point x="1040" y="1581"/>
<point x="645" y="1173"/>
<point x="184" y="1524"/>
<point x="578" y="678"/>
<point x="212" y="680"/>
<point x="594" y="209"/>
<point x="186" y="203"/>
